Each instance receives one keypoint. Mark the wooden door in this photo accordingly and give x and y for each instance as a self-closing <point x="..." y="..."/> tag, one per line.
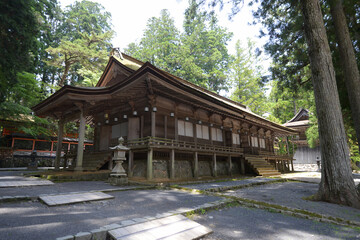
<point x="134" y="128"/>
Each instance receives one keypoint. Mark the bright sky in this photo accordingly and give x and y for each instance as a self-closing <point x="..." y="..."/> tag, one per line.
<point x="129" y="18"/>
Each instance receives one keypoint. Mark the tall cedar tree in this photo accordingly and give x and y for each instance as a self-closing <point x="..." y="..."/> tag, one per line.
<point x="337" y="184"/>
<point x="348" y="61"/>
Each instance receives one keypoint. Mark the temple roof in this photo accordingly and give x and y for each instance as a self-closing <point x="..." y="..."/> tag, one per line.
<point x="134" y="71"/>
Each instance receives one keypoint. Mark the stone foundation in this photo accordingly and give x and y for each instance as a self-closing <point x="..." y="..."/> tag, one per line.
<point x="306" y="167"/>
<point x="24" y="160"/>
<point x="161" y="169"/>
<point x="139" y="168"/>
<point x="204" y="168"/>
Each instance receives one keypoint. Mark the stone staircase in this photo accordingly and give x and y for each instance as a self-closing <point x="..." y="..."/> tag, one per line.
<point x="261" y="166"/>
<point x="95" y="160"/>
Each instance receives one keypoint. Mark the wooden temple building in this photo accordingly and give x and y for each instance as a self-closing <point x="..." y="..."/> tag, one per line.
<point x="306" y="158"/>
<point x="174" y="129"/>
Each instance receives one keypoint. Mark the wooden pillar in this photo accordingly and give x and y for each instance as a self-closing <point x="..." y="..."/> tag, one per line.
<point x="172" y="164"/>
<point x="153" y="124"/>
<point x="165" y="126"/>
<point x="214" y="168"/>
<point x="287" y="146"/>
<point x="196" y="165"/>
<point x="250" y="144"/>
<point x="61" y="124"/>
<point x="283" y="165"/>
<point x="131" y="164"/>
<point x="149" y="167"/>
<point x="292" y="165"/>
<point x="142" y="126"/>
<point x="230" y="165"/>
<point x="80" y="150"/>
<point x="242" y="165"/>
<point x="176" y="129"/>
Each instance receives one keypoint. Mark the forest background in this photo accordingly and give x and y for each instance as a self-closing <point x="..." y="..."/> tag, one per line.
<point x="44" y="47"/>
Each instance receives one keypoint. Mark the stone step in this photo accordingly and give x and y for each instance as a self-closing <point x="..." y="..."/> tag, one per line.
<point x="270" y="174"/>
<point x="173" y="227"/>
<point x="70" y="198"/>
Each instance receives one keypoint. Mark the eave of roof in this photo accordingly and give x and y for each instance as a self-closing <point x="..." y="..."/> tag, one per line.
<point x="143" y="69"/>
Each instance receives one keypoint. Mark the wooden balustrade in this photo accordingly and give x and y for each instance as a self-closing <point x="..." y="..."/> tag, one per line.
<point x="156" y="142"/>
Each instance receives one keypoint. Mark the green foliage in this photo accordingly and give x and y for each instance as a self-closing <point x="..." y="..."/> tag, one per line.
<point x="84" y="42"/>
<point x="285" y="103"/>
<point x="199" y="54"/>
<point x="246" y="77"/>
<point x="159" y="44"/>
<point x="18" y="29"/>
<point x="204" y="56"/>
<point x="89" y="52"/>
<point x="16" y="107"/>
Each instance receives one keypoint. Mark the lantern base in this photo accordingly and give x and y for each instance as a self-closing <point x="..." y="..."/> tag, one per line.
<point x="118" y="179"/>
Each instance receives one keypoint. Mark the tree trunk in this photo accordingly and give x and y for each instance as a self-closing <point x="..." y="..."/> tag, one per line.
<point x="348" y="61"/>
<point x="337" y="184"/>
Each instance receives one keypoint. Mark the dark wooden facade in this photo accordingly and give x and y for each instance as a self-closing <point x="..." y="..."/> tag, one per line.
<point x="174" y="128"/>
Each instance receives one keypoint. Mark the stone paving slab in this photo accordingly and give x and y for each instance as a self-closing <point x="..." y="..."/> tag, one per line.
<point x="55" y="200"/>
<point x="173" y="227"/>
<point x="7" y="184"/>
<point x="228" y="184"/>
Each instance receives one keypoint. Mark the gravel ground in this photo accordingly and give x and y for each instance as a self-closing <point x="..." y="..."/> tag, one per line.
<point x="246" y="223"/>
<point x="34" y="220"/>
<point x="206" y="186"/>
<point x="290" y="194"/>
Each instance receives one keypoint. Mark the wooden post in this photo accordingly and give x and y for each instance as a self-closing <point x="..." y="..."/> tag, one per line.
<point x="176" y="129"/>
<point x="142" y="126"/>
<point x="61" y="124"/>
<point x="165" y="126"/>
<point x="172" y="164"/>
<point x="230" y="165"/>
<point x="292" y="165"/>
<point x="214" y="173"/>
<point x="242" y="166"/>
<point x="283" y="165"/>
<point x="196" y="165"/>
<point x="131" y="163"/>
<point x="149" y="167"/>
<point x="250" y="143"/>
<point x="153" y="125"/>
<point x="80" y="150"/>
<point x="287" y="146"/>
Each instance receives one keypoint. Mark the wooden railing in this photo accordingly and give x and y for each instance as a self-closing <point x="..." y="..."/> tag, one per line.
<point x="156" y="142"/>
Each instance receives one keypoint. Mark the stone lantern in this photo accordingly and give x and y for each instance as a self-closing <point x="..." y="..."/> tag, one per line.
<point x="118" y="175"/>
